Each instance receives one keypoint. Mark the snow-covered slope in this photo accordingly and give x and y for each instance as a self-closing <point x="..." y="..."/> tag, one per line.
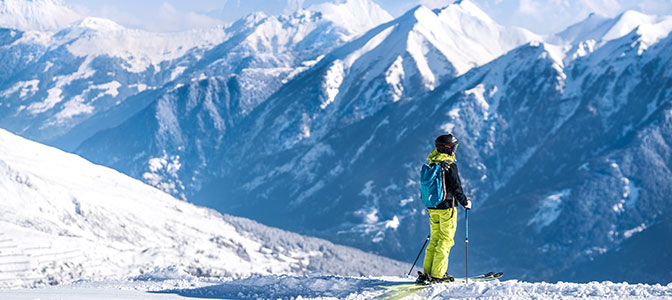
<point x="36" y="14"/>
<point x="65" y="219"/>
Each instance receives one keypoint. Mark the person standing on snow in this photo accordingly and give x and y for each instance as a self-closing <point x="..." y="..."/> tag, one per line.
<point x="443" y="217"/>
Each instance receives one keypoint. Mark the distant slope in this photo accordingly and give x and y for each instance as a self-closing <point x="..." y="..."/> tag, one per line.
<point x="65" y="219"/>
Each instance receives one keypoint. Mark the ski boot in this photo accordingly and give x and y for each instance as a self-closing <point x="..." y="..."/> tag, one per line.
<point x="445" y="278"/>
<point x="422" y="278"/>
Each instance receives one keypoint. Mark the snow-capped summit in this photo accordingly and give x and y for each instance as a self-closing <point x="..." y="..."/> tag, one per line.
<point x="99" y="24"/>
<point x="315" y="29"/>
<point x="597" y="30"/>
<point x="36" y="14"/>
<point x="396" y="60"/>
<point x="353" y="14"/>
<point x="140" y="49"/>
<point x="651" y="28"/>
<point x="470" y="8"/>
<point x="594" y="27"/>
<point x="475" y="37"/>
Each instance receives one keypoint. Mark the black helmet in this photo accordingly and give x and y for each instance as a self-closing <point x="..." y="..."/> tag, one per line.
<point x="446" y="139"/>
<point x="446" y="143"/>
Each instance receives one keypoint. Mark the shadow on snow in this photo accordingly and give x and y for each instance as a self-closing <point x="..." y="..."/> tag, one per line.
<point x="287" y="287"/>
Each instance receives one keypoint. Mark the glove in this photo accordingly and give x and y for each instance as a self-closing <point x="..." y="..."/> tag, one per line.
<point x="468" y="206"/>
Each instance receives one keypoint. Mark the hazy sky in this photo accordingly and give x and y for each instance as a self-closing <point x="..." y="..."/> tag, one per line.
<point x="540" y="16"/>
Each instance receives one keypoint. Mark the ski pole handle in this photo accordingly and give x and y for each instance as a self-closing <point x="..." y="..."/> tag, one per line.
<point x="466" y="220"/>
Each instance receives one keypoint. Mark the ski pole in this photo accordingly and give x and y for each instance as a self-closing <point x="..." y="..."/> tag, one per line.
<point x="466" y="241"/>
<point x="416" y="259"/>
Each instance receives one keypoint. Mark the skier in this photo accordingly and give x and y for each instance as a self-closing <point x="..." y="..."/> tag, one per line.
<point x="443" y="217"/>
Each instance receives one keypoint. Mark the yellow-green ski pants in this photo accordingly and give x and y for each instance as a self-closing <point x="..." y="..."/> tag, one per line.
<point x="442" y="223"/>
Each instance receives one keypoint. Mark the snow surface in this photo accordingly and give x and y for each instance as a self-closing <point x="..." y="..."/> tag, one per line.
<point x="172" y="284"/>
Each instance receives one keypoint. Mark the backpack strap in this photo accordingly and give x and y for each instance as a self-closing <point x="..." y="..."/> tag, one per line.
<point x="445" y="166"/>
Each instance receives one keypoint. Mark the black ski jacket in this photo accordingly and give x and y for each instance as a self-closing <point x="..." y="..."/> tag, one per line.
<point x="453" y="186"/>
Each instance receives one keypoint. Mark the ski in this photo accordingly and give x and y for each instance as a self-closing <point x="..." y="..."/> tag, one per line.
<point x="412" y="286"/>
<point x="404" y="290"/>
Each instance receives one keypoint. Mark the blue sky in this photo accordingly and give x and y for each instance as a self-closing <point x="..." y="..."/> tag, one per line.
<point x="540" y="16"/>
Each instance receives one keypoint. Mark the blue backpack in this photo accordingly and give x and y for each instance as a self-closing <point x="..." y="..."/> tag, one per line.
<point x="432" y="189"/>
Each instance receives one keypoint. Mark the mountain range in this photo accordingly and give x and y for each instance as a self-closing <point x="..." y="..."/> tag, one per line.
<point x="318" y="124"/>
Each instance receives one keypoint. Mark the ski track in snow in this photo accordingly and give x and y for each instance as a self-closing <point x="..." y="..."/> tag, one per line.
<point x="178" y="285"/>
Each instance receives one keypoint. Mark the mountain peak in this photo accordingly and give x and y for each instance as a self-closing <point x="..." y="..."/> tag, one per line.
<point x="602" y="29"/>
<point x="417" y="14"/>
<point x="469" y="8"/>
<point x="36" y="14"/>
<point x="100" y="24"/>
<point x="591" y="28"/>
<point x="353" y="14"/>
<point x="628" y="21"/>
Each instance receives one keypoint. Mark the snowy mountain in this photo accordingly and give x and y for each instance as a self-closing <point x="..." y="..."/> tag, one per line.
<point x="57" y="80"/>
<point x="64" y="219"/>
<point x="595" y="31"/>
<point x="41" y="15"/>
<point x="225" y="86"/>
<point x="63" y="86"/>
<point x="387" y="64"/>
